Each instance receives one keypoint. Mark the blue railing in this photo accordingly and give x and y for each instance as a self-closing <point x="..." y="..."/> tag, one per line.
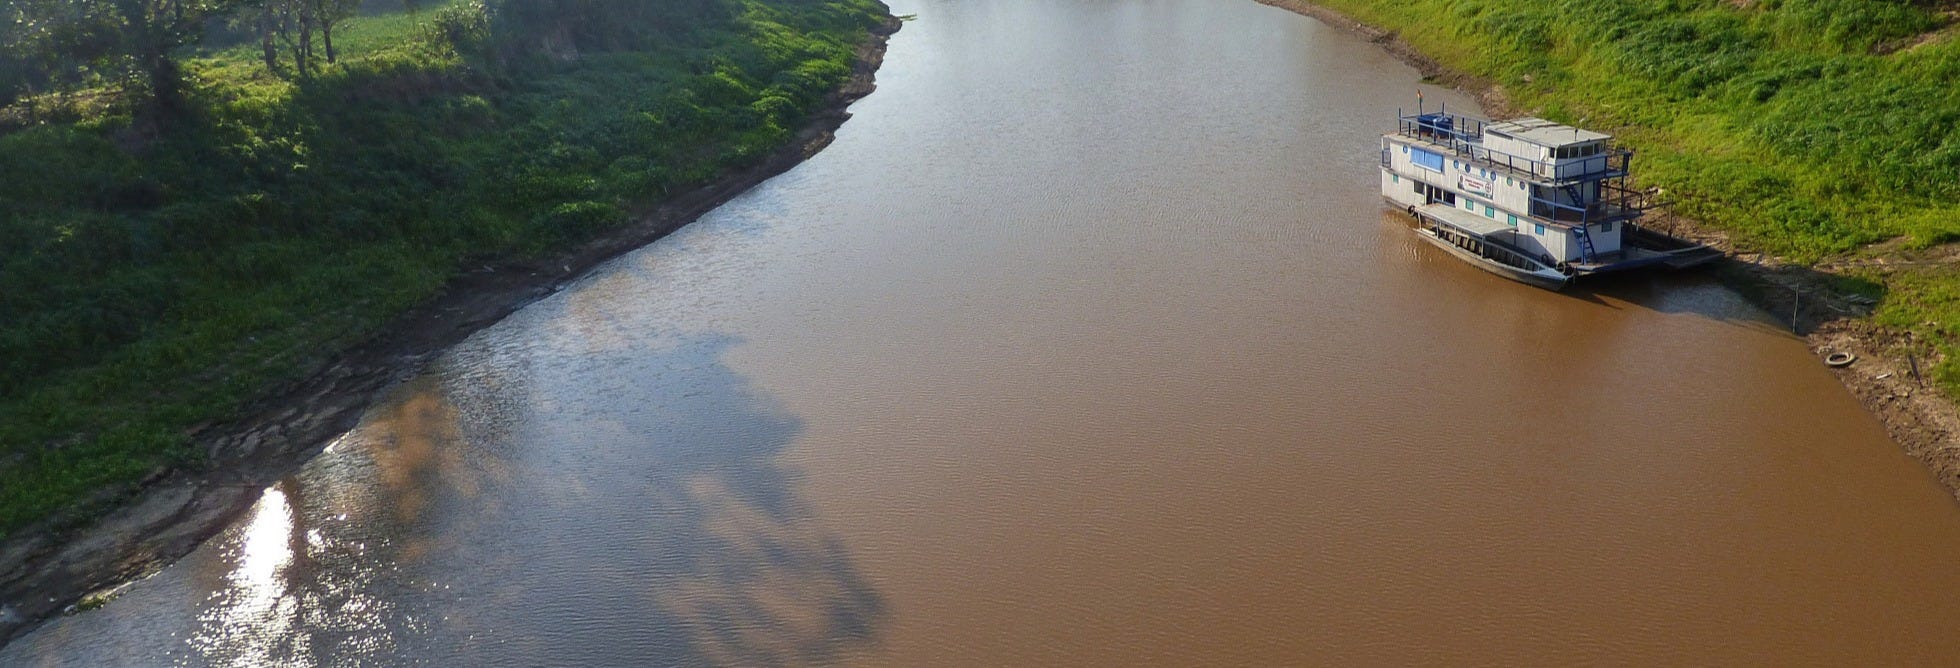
<point x="1614" y="203"/>
<point x="1446" y="127"/>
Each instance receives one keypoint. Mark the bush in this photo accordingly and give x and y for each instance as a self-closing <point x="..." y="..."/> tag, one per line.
<point x="462" y="28"/>
<point x="580" y="220"/>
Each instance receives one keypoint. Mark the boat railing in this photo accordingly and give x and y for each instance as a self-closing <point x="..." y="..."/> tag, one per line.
<point x="1463" y="137"/>
<point x="1609" y="164"/>
<point x="1615" y="203"/>
<point x="1444" y="128"/>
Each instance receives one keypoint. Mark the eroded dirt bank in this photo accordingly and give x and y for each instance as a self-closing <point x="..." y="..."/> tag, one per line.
<point x="46" y="570"/>
<point x="1888" y="374"/>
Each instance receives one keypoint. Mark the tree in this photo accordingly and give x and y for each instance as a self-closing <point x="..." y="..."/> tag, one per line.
<point x="330" y="13"/>
<point x="288" y="22"/>
<point x="149" y="31"/>
<point x="293" y="24"/>
<point x="301" y="13"/>
<point x="268" y="24"/>
<point x="52" y="44"/>
<point x="260" y="17"/>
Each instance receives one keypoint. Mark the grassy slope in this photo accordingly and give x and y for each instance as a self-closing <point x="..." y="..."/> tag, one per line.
<point x="146" y="291"/>
<point x="1809" y="129"/>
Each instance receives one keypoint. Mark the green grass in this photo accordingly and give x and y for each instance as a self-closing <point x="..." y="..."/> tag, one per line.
<point x="148" y="286"/>
<point x="1806" y="128"/>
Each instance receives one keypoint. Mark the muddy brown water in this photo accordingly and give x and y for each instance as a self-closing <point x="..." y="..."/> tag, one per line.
<point x="1087" y="343"/>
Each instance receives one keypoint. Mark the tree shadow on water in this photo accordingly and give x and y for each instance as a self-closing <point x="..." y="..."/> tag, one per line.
<point x="663" y="529"/>
<point x="552" y="506"/>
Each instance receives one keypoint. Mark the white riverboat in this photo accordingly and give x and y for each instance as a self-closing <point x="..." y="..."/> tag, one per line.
<point x="1527" y="199"/>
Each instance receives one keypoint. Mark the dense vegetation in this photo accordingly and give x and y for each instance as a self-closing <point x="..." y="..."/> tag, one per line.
<point x="1809" y="129"/>
<point x="176" y="237"/>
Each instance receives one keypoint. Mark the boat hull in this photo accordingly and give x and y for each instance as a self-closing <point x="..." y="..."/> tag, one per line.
<point x="1547" y="279"/>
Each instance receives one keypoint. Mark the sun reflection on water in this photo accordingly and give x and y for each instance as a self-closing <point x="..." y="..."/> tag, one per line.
<point x="267" y="548"/>
<point x="253" y="614"/>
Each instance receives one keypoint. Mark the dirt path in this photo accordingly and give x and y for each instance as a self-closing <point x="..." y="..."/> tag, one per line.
<point x="1919" y="417"/>
<point x="45" y="571"/>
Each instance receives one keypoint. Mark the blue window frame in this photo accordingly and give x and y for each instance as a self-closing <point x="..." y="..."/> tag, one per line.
<point x="1541" y="230"/>
<point x="1429" y="160"/>
<point x="1514" y="219"/>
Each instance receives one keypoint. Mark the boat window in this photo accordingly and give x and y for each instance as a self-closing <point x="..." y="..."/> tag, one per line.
<point x="1540" y="230"/>
<point x="1606" y="227"/>
<point x="1489" y="211"/>
<point x="1429" y="160"/>
<point x="1577" y="151"/>
<point x="1513" y="217"/>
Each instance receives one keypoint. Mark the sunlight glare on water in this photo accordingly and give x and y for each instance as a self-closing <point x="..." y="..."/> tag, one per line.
<point x="254" y="611"/>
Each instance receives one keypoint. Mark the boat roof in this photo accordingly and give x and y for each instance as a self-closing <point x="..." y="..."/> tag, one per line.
<point x="1474" y="223"/>
<point x="1543" y="132"/>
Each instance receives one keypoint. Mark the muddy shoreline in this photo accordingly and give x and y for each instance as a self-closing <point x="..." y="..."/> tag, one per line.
<point x="1923" y="421"/>
<point x="51" y="569"/>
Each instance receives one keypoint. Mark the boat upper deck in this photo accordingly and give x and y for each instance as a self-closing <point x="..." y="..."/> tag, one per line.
<point x="1529" y="149"/>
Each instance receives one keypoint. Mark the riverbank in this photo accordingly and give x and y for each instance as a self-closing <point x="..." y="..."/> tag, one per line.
<point x="49" y="568"/>
<point x="1829" y="305"/>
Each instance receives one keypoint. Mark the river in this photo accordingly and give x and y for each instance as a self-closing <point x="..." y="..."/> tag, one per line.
<point x="1087" y="343"/>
